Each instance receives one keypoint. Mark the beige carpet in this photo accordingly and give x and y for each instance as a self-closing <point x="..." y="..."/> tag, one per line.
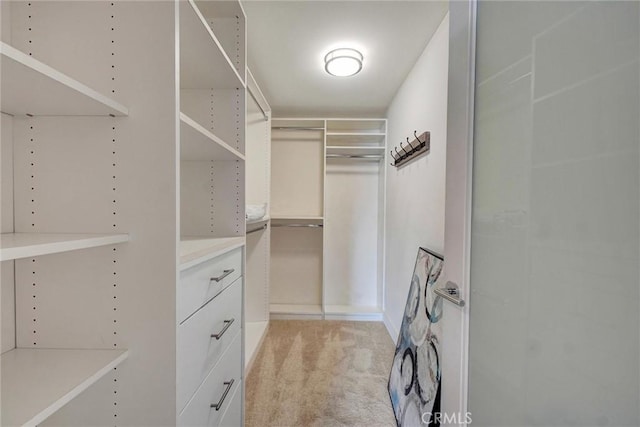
<point x="321" y="373"/>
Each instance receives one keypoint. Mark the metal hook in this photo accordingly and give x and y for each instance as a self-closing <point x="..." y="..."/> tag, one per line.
<point x="393" y="157"/>
<point x="413" y="149"/>
<point x="399" y="154"/>
<point x="402" y="148"/>
<point x="422" y="143"/>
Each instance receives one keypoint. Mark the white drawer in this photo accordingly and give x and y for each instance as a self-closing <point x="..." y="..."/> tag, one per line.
<point x="197" y="350"/>
<point x="204" y="281"/>
<point x="233" y="416"/>
<point x="217" y="388"/>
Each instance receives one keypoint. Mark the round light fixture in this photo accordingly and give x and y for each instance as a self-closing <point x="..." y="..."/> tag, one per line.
<point x="343" y="62"/>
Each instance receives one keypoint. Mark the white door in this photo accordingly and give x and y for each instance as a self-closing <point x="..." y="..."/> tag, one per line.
<point x="543" y="214"/>
<point x="458" y="210"/>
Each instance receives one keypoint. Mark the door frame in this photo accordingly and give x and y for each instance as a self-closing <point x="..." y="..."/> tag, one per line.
<point x="458" y="206"/>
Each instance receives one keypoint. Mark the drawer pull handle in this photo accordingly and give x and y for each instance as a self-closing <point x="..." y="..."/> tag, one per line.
<point x="219" y="335"/>
<point x="218" y="405"/>
<point x="224" y="274"/>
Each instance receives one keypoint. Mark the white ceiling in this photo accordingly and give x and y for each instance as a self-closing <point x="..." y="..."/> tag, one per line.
<point x="287" y="41"/>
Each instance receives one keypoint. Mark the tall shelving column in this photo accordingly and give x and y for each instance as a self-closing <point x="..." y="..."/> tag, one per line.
<point x="259" y="231"/>
<point x="211" y="262"/>
<point x="354" y="219"/>
<point x="328" y="196"/>
<point x="297" y="217"/>
<point x="212" y="129"/>
<point x="81" y="338"/>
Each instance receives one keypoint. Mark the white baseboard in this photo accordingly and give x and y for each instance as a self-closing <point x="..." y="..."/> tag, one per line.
<point x="295" y="316"/>
<point x="390" y="328"/>
<point x="251" y="353"/>
<point x="363" y="317"/>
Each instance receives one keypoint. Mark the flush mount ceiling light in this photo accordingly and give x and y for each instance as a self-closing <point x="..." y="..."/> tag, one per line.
<point x="343" y="62"/>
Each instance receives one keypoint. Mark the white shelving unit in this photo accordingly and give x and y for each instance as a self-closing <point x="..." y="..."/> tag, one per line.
<point x="29" y="245"/>
<point x="211" y="185"/>
<point x="38" y="382"/>
<point x="355" y="198"/>
<point x="118" y="175"/>
<point x="259" y="231"/>
<point x="297" y="218"/>
<point x="327" y="259"/>
<point x="64" y="234"/>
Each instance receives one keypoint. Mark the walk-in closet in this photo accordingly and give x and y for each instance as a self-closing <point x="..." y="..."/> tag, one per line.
<point x="263" y="213"/>
<point x="162" y="205"/>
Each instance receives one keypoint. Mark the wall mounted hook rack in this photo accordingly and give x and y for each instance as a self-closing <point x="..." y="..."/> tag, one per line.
<point x="414" y="149"/>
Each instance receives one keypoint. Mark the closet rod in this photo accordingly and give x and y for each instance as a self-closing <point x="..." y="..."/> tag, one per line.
<point x="298" y="225"/>
<point x="295" y="128"/>
<point x="264" y="113"/>
<point x="264" y="227"/>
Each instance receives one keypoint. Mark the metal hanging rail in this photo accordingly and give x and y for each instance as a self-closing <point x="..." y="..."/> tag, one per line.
<point x="263" y="227"/>
<point x="355" y="156"/>
<point x="298" y="225"/>
<point x="296" y="128"/>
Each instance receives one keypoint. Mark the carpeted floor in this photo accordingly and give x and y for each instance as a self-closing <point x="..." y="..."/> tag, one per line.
<point x="321" y="373"/>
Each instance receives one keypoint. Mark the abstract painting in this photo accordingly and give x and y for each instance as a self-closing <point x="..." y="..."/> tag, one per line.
<point x="414" y="382"/>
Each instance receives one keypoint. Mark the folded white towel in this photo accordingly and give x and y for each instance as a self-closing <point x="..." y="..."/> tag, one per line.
<point x="256" y="212"/>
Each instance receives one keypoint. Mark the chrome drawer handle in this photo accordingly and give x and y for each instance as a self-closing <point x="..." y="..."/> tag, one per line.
<point x="219" y="335"/>
<point x="224" y="274"/>
<point x="218" y="405"/>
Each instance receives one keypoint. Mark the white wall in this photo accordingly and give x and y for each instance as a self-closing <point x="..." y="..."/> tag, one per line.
<point x="416" y="192"/>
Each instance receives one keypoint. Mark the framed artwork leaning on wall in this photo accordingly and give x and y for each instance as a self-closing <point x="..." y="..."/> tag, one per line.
<point x="414" y="381"/>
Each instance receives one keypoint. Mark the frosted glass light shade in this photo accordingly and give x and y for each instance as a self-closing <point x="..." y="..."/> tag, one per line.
<point x="343" y="62"/>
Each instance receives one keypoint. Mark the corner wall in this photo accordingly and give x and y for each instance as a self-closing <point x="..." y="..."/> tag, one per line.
<point x="416" y="192"/>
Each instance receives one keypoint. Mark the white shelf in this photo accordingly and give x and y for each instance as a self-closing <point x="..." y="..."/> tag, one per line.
<point x="358" y="139"/>
<point x="194" y="250"/>
<point x="349" y="150"/>
<point x="197" y="143"/>
<point x="220" y="9"/>
<point x="355" y="126"/>
<point x="296" y="218"/>
<point x="354" y="134"/>
<point x="297" y="123"/>
<point x="30" y="87"/>
<point x="38" y="382"/>
<point x="284" y="220"/>
<point x="203" y="62"/>
<point x="254" y="334"/>
<point x="27" y="245"/>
